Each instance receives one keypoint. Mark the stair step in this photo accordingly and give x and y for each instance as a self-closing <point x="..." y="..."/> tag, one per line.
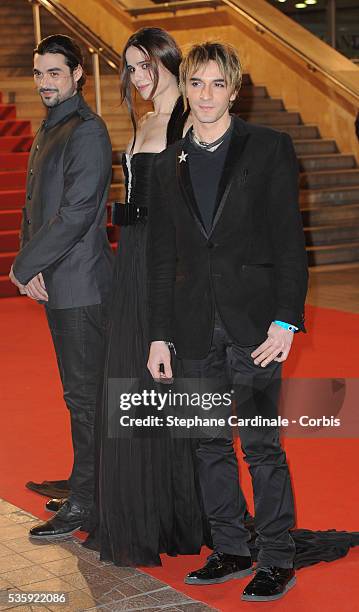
<point x="117" y="155"/>
<point x="25" y="43"/>
<point x="10" y="220"/>
<point x="316" y="180"/>
<point x="329" y="215"/>
<point x="15" y="59"/>
<point x="6" y="260"/>
<point x="257" y="105"/>
<point x="253" y="91"/>
<point x="117" y="174"/>
<point x="9" y="240"/>
<point x="15" y="179"/>
<point x="335" y="234"/>
<point x="329" y="196"/>
<point x="17" y="10"/>
<point x="12" y="198"/>
<point x="7" y="111"/>
<point x="13" y="161"/>
<point x="338" y="161"/>
<point x="15" y="128"/>
<point x="117" y="192"/>
<point x="23" y="28"/>
<point x="7" y="289"/>
<point x="314" y="147"/>
<point x="22" y="83"/>
<point x="280" y="118"/>
<point x="333" y="254"/>
<point x="19" y="19"/>
<point x="15" y="144"/>
<point x="299" y="132"/>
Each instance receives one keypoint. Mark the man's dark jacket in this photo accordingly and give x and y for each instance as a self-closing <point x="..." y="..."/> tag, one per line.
<point x="252" y="265"/>
<point x="64" y="221"/>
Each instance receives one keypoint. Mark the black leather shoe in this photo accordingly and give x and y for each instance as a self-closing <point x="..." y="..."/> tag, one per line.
<point x="53" y="505"/>
<point x="68" y="519"/>
<point x="50" y="488"/>
<point x="221" y="567"/>
<point x="269" y="583"/>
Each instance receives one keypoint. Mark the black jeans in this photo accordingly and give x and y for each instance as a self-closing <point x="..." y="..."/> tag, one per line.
<point x="79" y="337"/>
<point x="256" y="392"/>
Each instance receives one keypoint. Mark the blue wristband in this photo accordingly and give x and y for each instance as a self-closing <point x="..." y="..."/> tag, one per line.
<point x="287" y="326"/>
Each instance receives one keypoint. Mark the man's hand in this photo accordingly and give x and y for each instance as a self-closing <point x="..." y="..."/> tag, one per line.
<point x="36" y="289"/>
<point x="160" y="354"/>
<point x="279" y="341"/>
<point x="14" y="280"/>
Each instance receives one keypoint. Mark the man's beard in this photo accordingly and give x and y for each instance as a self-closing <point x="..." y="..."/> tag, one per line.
<point x="54" y="101"/>
<point x="57" y="99"/>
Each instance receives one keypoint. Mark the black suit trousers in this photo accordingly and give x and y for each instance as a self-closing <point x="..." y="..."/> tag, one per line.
<point x="256" y="392"/>
<point x="79" y="337"/>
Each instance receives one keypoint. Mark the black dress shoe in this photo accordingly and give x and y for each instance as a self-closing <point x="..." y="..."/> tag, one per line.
<point x="50" y="488"/>
<point x="221" y="567"/>
<point x="68" y="519"/>
<point x="269" y="583"/>
<point x="53" y="505"/>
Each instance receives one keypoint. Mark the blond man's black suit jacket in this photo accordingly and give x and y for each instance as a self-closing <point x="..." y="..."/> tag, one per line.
<point x="252" y="265"/>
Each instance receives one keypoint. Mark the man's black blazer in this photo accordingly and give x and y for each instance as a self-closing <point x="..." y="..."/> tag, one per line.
<point x="252" y="265"/>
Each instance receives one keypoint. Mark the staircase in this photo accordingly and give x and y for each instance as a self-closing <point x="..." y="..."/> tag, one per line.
<point x="329" y="180"/>
<point x="17" y="38"/>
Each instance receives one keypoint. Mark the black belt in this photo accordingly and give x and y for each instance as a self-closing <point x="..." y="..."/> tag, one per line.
<point x="127" y="214"/>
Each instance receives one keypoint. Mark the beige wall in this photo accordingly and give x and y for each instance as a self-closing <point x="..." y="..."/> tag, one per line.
<point x="104" y="18"/>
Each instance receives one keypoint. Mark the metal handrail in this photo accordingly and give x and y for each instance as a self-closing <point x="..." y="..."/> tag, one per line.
<point x="172" y="7"/>
<point x="260" y="27"/>
<point x="94" y="44"/>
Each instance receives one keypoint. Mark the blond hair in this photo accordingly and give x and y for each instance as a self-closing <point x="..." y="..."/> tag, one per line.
<point x="223" y="54"/>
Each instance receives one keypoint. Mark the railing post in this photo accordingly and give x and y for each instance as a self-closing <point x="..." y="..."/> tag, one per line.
<point x="97" y="79"/>
<point x="331" y="20"/>
<point x="36" y="20"/>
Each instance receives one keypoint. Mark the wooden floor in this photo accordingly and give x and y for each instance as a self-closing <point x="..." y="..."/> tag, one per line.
<point x="337" y="287"/>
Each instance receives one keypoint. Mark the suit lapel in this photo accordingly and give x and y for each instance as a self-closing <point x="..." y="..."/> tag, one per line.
<point x="233" y="166"/>
<point x="185" y="183"/>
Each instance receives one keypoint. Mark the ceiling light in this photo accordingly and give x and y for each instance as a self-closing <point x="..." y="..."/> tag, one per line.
<point x="282" y="0"/>
<point x="300" y="5"/>
<point x="310" y="1"/>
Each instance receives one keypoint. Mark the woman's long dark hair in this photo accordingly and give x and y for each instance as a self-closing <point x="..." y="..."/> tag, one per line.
<point x="159" y="46"/>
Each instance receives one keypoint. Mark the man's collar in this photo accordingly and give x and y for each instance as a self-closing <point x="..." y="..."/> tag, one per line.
<point x="62" y="110"/>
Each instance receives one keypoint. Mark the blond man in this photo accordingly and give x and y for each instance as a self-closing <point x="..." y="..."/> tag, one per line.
<point x="228" y="279"/>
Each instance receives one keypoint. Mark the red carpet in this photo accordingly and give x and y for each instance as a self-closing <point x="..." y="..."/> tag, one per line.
<point x="35" y="444"/>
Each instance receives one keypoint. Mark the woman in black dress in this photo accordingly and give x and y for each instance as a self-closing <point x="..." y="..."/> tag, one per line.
<point x="147" y="494"/>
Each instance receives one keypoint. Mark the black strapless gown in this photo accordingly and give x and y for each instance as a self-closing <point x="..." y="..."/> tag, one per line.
<point x="147" y="494"/>
<point x="148" y="498"/>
